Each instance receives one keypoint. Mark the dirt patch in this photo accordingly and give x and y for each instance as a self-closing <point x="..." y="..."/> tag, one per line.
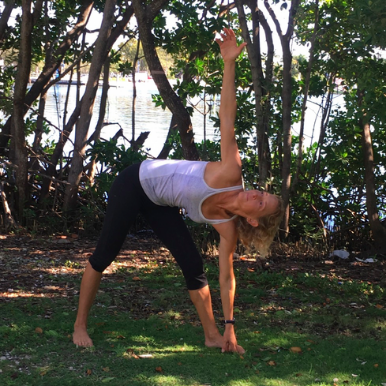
<point x="29" y="265"/>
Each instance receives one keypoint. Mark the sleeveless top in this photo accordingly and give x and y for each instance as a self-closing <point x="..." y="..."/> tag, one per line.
<point x="180" y="183"/>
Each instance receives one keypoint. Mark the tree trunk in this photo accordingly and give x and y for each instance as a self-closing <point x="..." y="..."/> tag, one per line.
<point x="266" y="103"/>
<point x="173" y="128"/>
<point x="51" y="170"/>
<point x="134" y="101"/>
<point x="145" y="16"/>
<point x="9" y="6"/>
<point x="287" y="107"/>
<point x="378" y="231"/>
<point x="254" y="55"/>
<point x="9" y="222"/>
<point x="315" y="168"/>
<point x="36" y="146"/>
<point x="287" y="138"/>
<point x="99" y="57"/>
<point x="57" y="154"/>
<point x="50" y="67"/>
<point x="305" y="96"/>
<point x="167" y="147"/>
<point x="101" y="118"/>
<point x="18" y="141"/>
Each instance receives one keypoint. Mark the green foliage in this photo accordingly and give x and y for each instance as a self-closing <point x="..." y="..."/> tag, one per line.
<point x="331" y="191"/>
<point x="7" y="76"/>
<point x="113" y="159"/>
<point x="112" y="156"/>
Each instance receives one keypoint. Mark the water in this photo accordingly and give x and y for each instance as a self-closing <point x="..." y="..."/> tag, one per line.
<point x="151" y="118"/>
<point x="119" y="111"/>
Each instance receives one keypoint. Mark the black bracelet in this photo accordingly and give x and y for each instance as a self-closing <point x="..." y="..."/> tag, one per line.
<point x="232" y="321"/>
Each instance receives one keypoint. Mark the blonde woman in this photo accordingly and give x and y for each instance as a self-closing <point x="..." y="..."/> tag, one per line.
<point x="210" y="192"/>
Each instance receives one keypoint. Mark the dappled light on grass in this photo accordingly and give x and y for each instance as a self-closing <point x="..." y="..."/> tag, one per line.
<point x="154" y="352"/>
<point x="26" y="294"/>
<point x="303" y="327"/>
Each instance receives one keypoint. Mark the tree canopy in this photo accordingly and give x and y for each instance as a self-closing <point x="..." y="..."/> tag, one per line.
<point x="333" y="188"/>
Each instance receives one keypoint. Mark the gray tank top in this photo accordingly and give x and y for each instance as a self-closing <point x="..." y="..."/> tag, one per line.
<point x="180" y="184"/>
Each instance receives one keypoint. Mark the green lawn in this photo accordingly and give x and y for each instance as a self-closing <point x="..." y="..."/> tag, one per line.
<point x="299" y="329"/>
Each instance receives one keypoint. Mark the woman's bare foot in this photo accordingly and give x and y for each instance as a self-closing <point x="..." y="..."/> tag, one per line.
<point x="217" y="342"/>
<point x="81" y="338"/>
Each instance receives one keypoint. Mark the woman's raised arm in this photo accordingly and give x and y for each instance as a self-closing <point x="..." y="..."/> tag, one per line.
<point x="229" y="51"/>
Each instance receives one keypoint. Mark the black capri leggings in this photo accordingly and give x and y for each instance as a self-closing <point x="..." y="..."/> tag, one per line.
<point x="126" y="200"/>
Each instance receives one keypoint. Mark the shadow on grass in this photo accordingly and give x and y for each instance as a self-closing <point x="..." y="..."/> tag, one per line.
<point x="337" y="326"/>
<point x="36" y="350"/>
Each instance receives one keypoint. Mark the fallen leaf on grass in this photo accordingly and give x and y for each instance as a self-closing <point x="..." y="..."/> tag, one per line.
<point x="44" y="370"/>
<point x="136" y="278"/>
<point x="52" y="333"/>
<point x="131" y="353"/>
<point x="108" y="379"/>
<point x="89" y="372"/>
<point x="106" y="369"/>
<point x="296" y="350"/>
<point x="39" y="330"/>
<point x="271" y="363"/>
<point x="159" y="369"/>
<point x="379" y="306"/>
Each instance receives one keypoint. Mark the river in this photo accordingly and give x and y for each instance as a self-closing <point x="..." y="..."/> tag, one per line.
<point x="119" y="111"/>
<point x="150" y="118"/>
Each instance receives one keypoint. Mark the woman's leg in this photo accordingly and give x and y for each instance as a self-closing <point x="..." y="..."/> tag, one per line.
<point x="123" y="207"/>
<point x="169" y="226"/>
<point x="124" y="204"/>
<point x="88" y="289"/>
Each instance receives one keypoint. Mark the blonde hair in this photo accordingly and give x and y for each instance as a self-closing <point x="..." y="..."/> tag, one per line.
<point x="261" y="237"/>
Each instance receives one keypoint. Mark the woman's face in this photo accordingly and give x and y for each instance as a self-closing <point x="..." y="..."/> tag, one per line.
<point x="256" y="204"/>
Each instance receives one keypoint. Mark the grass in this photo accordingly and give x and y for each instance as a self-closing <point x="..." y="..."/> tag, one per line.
<point x="302" y="329"/>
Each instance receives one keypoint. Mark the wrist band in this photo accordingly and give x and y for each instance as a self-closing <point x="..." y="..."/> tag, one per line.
<point x="232" y="321"/>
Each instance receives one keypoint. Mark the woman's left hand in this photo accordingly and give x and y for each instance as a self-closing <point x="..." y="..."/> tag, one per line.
<point x="228" y="45"/>
<point x="230" y="342"/>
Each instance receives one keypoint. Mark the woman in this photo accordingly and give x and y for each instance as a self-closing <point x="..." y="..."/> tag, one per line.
<point x="210" y="192"/>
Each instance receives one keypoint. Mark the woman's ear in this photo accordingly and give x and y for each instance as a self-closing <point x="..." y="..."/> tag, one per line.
<point x="252" y="221"/>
